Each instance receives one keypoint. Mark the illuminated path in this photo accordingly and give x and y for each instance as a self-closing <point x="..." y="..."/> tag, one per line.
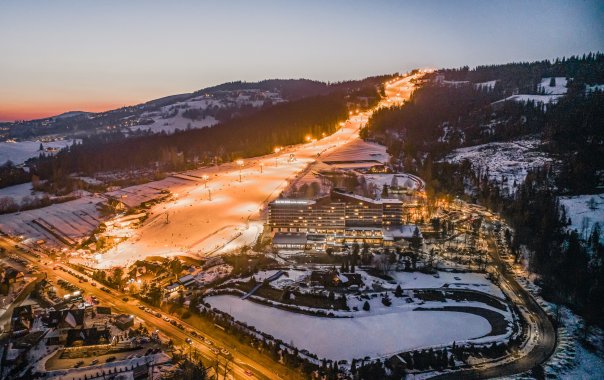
<point x="226" y="214"/>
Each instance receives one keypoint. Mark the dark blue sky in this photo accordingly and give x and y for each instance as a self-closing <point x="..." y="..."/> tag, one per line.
<point x="64" y="55"/>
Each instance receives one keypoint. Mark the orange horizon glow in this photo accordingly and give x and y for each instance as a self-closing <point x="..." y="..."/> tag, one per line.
<point x="18" y="112"/>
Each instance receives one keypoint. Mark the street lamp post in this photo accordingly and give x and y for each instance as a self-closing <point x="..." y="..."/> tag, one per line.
<point x="277" y="150"/>
<point x="240" y="164"/>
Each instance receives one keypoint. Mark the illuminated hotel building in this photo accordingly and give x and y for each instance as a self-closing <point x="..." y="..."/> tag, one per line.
<point x="337" y="219"/>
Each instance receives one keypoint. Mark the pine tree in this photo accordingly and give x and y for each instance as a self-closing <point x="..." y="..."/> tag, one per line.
<point x="386" y="300"/>
<point x="366" y="306"/>
<point x="398" y="292"/>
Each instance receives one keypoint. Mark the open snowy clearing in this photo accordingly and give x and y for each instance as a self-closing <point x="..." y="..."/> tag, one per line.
<point x="373" y="335"/>
<point x="506" y="162"/>
<point x="584" y="211"/>
<point x="18" y="192"/>
<point x="559" y="87"/>
<point x="21" y="151"/>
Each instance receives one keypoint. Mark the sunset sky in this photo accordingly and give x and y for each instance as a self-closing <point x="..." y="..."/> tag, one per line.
<point x="57" y="56"/>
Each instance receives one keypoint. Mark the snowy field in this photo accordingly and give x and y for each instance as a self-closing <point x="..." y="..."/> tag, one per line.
<point x="19" y="152"/>
<point x="18" y="192"/>
<point x="74" y="220"/>
<point x="507" y="162"/>
<point x="372" y="334"/>
<point x="584" y="211"/>
<point x="548" y="94"/>
<point x="407" y="280"/>
<point x="559" y="87"/>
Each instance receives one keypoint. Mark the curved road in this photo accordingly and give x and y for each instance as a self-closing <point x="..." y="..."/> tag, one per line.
<point x="541" y="331"/>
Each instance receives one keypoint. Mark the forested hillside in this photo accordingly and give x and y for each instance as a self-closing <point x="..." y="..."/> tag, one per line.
<point x="462" y="108"/>
<point x="257" y="134"/>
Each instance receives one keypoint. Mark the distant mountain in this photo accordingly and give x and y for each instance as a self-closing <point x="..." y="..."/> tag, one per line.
<point x="69" y="114"/>
<point x="198" y="109"/>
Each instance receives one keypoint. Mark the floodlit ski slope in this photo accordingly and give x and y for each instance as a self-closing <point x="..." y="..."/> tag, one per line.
<point x="225" y="215"/>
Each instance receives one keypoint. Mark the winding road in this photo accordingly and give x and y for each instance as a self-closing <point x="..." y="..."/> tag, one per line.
<point x="541" y="332"/>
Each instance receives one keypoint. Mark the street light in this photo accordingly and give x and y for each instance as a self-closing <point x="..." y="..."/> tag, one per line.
<point x="240" y="163"/>
<point x="205" y="178"/>
<point x="277" y="150"/>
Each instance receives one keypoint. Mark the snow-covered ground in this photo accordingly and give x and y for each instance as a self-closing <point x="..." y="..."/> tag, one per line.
<point x="545" y="99"/>
<point x="357" y="150"/>
<point x="486" y="85"/>
<point x="584" y="211"/>
<point x="170" y="118"/>
<point x="407" y="280"/>
<point x="371" y="334"/>
<point x="548" y="94"/>
<point x="18" y="192"/>
<point x="21" y="151"/>
<point x="593" y="88"/>
<point x="506" y="162"/>
<point x="559" y="87"/>
<point x="407" y="181"/>
<point x="73" y="219"/>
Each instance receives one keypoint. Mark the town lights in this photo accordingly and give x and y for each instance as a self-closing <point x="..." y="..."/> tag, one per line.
<point x="308" y="137"/>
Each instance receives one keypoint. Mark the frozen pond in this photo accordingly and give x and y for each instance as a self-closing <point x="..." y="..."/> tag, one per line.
<point x="366" y="335"/>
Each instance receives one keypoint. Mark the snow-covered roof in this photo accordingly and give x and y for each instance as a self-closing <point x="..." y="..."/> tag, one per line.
<point x="185" y="279"/>
<point x="287" y="201"/>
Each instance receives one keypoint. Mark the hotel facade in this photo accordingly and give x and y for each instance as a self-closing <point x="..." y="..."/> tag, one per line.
<point x="335" y="220"/>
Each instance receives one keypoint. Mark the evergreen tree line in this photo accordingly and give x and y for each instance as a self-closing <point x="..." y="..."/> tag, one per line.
<point x="524" y="76"/>
<point x="572" y="133"/>
<point x="258" y="134"/>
